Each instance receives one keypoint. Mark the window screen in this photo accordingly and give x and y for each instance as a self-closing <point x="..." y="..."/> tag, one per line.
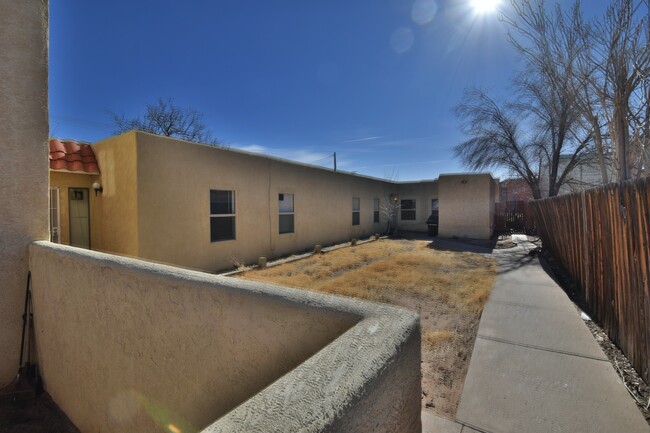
<point x="375" y="211"/>
<point x="285" y="206"/>
<point x="222" y="215"/>
<point x="356" y="211"/>
<point x="407" y="208"/>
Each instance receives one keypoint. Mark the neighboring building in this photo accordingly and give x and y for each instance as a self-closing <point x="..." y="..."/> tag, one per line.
<point x="516" y="189"/>
<point x="73" y="170"/>
<point x="584" y="176"/>
<point x="206" y="208"/>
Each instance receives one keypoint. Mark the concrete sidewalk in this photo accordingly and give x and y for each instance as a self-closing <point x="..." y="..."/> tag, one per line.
<point x="535" y="365"/>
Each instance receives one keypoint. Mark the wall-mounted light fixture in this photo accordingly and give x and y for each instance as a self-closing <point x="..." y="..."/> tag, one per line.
<point x="463" y="181"/>
<point x="98" y="188"/>
<point x="393" y="198"/>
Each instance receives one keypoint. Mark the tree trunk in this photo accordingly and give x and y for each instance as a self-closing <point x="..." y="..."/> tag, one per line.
<point x="598" y="140"/>
<point x="621" y="133"/>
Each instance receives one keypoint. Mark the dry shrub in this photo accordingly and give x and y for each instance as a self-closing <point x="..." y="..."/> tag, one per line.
<point x="433" y="339"/>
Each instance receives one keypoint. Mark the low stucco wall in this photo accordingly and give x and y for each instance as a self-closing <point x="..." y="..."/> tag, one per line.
<point x="125" y="345"/>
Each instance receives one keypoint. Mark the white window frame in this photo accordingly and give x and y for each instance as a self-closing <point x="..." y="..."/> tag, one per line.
<point x="402" y="209"/>
<point x="55" y="230"/>
<point x="292" y="213"/>
<point x="356" y="211"/>
<point x="220" y="215"/>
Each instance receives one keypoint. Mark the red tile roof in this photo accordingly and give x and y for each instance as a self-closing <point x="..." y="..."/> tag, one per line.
<point x="68" y="155"/>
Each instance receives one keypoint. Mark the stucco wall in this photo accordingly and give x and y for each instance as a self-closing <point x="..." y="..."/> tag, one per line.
<point x="422" y="192"/>
<point x="24" y="147"/>
<point x="466" y="205"/>
<point x="63" y="181"/>
<point x="174" y="183"/>
<point x="115" y="220"/>
<point x="135" y="346"/>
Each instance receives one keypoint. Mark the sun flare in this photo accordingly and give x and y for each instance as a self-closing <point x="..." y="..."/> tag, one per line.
<point x="485" y="6"/>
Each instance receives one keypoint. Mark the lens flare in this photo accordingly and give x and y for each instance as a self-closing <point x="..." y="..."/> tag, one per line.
<point x="423" y="11"/>
<point x="402" y="40"/>
<point x="485" y="6"/>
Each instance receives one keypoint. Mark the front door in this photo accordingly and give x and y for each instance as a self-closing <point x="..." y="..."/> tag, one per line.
<point x="79" y="217"/>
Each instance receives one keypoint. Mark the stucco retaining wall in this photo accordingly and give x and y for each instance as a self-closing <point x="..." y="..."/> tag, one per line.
<point x="126" y="345"/>
<point x="23" y="150"/>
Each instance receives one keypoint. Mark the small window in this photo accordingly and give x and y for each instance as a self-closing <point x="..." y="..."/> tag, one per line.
<point x="285" y="206"/>
<point x="375" y="211"/>
<point x="222" y="215"/>
<point x="407" y="208"/>
<point x="356" y="211"/>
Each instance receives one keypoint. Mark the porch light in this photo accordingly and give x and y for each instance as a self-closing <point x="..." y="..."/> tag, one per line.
<point x="98" y="188"/>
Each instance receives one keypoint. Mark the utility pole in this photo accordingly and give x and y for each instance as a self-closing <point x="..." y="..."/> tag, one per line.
<point x="334" y="161"/>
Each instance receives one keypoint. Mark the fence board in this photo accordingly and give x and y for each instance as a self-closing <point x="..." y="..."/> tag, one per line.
<point x="601" y="238"/>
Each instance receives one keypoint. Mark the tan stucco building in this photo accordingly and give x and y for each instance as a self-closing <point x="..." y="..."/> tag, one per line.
<point x="467" y="205"/>
<point x="209" y="208"/>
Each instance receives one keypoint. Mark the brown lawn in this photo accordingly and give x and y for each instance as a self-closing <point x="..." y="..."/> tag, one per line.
<point x="447" y="289"/>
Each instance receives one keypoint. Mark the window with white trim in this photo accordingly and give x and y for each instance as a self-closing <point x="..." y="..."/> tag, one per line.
<point x="407" y="209"/>
<point x="222" y="215"/>
<point x="356" y="211"/>
<point x="286" y="210"/>
<point x="375" y="211"/>
<point x="55" y="216"/>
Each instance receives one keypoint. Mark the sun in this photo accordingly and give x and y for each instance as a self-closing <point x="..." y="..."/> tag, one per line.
<point x="485" y="6"/>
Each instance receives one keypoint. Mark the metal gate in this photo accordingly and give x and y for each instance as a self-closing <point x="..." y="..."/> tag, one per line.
<point x="514" y="216"/>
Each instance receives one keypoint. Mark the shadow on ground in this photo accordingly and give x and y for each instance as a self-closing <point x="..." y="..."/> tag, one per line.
<point x="37" y="415"/>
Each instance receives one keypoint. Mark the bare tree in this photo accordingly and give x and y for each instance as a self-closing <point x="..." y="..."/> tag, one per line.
<point x="621" y="80"/>
<point x="582" y="97"/>
<point x="528" y="137"/>
<point x="168" y="119"/>
<point x="496" y="139"/>
<point x="388" y="207"/>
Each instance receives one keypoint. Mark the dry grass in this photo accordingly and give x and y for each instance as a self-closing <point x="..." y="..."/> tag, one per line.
<point x="448" y="290"/>
<point x="380" y="270"/>
<point x="434" y="339"/>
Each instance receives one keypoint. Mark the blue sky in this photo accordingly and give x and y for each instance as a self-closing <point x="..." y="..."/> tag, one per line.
<point x="373" y="80"/>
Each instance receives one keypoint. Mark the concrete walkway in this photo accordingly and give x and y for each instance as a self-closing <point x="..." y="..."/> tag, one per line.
<point x="535" y="365"/>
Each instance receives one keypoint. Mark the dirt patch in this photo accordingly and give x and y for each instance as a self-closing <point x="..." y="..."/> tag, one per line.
<point x="448" y="289"/>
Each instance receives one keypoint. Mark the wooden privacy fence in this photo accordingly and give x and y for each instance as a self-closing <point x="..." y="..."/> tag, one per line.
<point x="601" y="238"/>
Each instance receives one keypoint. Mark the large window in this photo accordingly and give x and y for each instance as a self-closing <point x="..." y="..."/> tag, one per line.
<point x="285" y="205"/>
<point x="222" y="215"/>
<point x="375" y="211"/>
<point x="407" y="208"/>
<point x="356" y="211"/>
